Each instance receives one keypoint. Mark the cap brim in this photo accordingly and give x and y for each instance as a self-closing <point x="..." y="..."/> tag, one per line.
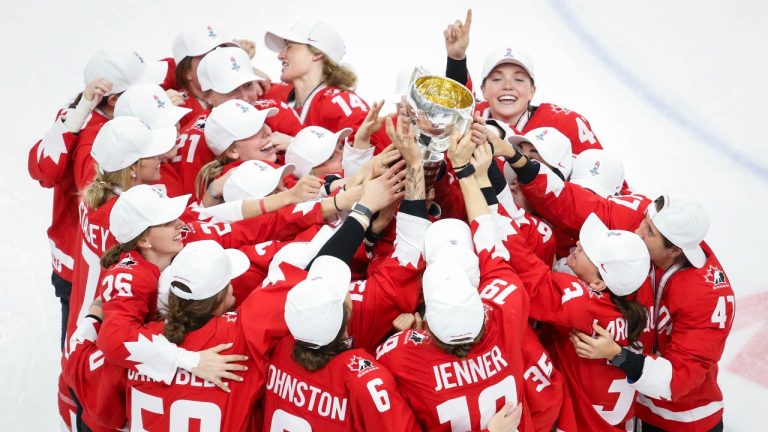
<point x="696" y="256"/>
<point x="173" y="115"/>
<point x="172" y="209"/>
<point x="594" y="186"/>
<point x="238" y="262"/>
<point x="591" y="233"/>
<point x="344" y="133"/>
<point x="518" y="139"/>
<point x="276" y="41"/>
<point x="513" y="61"/>
<point x="163" y="140"/>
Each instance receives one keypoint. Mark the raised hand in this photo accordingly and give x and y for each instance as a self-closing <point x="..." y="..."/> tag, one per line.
<point x="384" y="190"/>
<point x="404" y="140"/>
<point x="307" y="188"/>
<point x="175" y="97"/>
<point x="370" y="126"/>
<point x="461" y="149"/>
<point x="457" y="37"/>
<point x="247" y="45"/>
<point x="215" y="367"/>
<point x="96" y="89"/>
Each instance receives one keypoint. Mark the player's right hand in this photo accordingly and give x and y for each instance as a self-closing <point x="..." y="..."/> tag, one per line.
<point x="457" y="37"/>
<point x="215" y="367"/>
<point x="507" y="419"/>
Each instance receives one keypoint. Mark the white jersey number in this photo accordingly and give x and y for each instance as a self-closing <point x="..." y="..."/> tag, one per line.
<point x="623" y="403"/>
<point x="456" y="410"/>
<point x="181" y="412"/>
<point x="720" y="315"/>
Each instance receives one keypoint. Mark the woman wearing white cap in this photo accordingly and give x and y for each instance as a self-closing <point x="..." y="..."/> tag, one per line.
<point x="225" y="74"/>
<point x="507" y="84"/>
<point x="323" y="89"/>
<point x="689" y="335"/>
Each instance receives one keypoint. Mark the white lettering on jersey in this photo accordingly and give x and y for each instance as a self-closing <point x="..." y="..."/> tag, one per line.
<point x="469" y="370"/>
<point x="305" y="395"/>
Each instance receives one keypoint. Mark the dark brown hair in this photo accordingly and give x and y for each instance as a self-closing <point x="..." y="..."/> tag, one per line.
<point x="112" y="255"/>
<point x="313" y="359"/>
<point x="460" y="350"/>
<point x="182" y="69"/>
<point x="185" y="316"/>
<point x="635" y="314"/>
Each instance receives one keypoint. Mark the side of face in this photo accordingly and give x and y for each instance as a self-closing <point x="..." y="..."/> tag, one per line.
<point x="249" y="92"/>
<point x="148" y="170"/>
<point x="585" y="270"/>
<point x="297" y="60"/>
<point x="164" y="239"/>
<point x="508" y="90"/>
<point x="257" y="147"/>
<point x="654" y="241"/>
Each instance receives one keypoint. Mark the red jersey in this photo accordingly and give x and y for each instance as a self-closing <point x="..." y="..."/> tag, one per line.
<point x="544" y="386"/>
<point x="601" y="396"/>
<point x="679" y="388"/>
<point x="190" y="402"/>
<point x="193" y="152"/>
<point x="285" y="121"/>
<point x="49" y="164"/>
<point x="353" y="392"/>
<point x="448" y="393"/>
<point x="84" y="164"/>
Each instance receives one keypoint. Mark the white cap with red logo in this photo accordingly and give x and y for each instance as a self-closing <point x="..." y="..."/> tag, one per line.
<point x="685" y="223"/>
<point x="599" y="171"/>
<point x="316" y="33"/>
<point x="203" y="268"/>
<point x="141" y="207"/>
<point x="553" y="147"/>
<point x="150" y="104"/>
<point x="123" y="68"/>
<point x="314" y="308"/>
<point x="312" y="146"/>
<point x="196" y="41"/>
<point x="507" y="55"/>
<point x="232" y="121"/>
<point x="225" y="69"/>
<point x="620" y="256"/>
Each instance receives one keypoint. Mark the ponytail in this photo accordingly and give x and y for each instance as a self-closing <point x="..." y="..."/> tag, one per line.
<point x="636" y="316"/>
<point x="106" y="185"/>
<point x="185" y="316"/>
<point x="112" y="255"/>
<point x="209" y="172"/>
<point x="336" y="75"/>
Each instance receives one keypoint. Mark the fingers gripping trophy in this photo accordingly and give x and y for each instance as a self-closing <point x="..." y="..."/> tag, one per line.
<point x="437" y="107"/>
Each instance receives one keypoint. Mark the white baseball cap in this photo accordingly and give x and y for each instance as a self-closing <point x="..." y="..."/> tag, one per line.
<point x="599" y="171"/>
<point x="141" y="207"/>
<point x="225" y="69"/>
<point x="685" y="223"/>
<point x="620" y="256"/>
<point x="123" y="68"/>
<point x="450" y="240"/>
<point x="314" y="308"/>
<point x="254" y="179"/>
<point x="552" y="145"/>
<point x="317" y="34"/>
<point x="454" y="311"/>
<point x="124" y="140"/>
<point x="150" y="104"/>
<point x="506" y="55"/>
<point x="197" y="40"/>
<point x="232" y="121"/>
<point x="205" y="268"/>
<point x="311" y="147"/>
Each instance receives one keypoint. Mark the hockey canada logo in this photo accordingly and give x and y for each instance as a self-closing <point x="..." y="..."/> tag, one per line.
<point x="416" y="338"/>
<point x="716" y="277"/>
<point x="231" y="316"/>
<point x="595" y="169"/>
<point x="360" y="365"/>
<point x="126" y="262"/>
<point x="540" y="136"/>
<point x="211" y="33"/>
<point x="318" y="134"/>
<point x="235" y="66"/>
<point x="200" y="123"/>
<point x="160" y="103"/>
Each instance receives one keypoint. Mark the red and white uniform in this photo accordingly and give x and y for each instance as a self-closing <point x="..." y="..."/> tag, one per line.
<point x="544" y="386"/>
<point x="190" y="402"/>
<point x="601" y="396"/>
<point x="448" y="393"/>
<point x="84" y="164"/>
<point x="49" y="164"/>
<point x="690" y="312"/>
<point x="353" y="392"/>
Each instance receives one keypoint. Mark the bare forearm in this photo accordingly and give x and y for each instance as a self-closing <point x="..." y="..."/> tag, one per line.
<point x="473" y="198"/>
<point x="414" y="183"/>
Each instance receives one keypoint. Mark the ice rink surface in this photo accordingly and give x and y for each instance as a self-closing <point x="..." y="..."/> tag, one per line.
<point x="675" y="88"/>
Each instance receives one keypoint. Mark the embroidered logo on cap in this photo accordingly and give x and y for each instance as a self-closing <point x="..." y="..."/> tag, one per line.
<point x="509" y="53"/>
<point x="242" y="107"/>
<point x="540" y="136"/>
<point x="595" y="169"/>
<point x="160" y="103"/>
<point x="235" y="66"/>
<point x="211" y="33"/>
<point x="318" y="134"/>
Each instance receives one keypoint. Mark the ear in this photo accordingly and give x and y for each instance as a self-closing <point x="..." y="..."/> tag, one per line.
<point x="317" y="56"/>
<point x="232" y="153"/>
<point x="598" y="285"/>
<point x="112" y="100"/>
<point x="144" y="243"/>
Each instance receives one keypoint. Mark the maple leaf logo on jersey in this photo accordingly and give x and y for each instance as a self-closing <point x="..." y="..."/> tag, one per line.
<point x="415" y="338"/>
<point x="126" y="262"/>
<point x="716" y="277"/>
<point x="360" y="365"/>
<point x="595" y="169"/>
<point x="200" y="123"/>
<point x="160" y="103"/>
<point x="235" y="66"/>
<point x="211" y="33"/>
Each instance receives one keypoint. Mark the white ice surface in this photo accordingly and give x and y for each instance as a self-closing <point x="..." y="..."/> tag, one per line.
<point x="675" y="88"/>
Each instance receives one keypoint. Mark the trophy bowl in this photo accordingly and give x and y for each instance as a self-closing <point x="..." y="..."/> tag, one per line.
<point x="438" y="107"/>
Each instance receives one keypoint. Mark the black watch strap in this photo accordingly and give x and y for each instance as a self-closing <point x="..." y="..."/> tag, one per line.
<point x="621" y="358"/>
<point x="363" y="210"/>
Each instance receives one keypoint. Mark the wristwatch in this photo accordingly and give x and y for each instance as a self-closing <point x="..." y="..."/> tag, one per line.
<point x="363" y="210"/>
<point x="621" y="358"/>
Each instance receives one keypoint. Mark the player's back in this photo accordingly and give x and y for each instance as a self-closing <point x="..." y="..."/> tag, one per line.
<point x="448" y="393"/>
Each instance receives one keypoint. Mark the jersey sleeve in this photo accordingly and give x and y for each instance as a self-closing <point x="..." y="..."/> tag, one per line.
<point x="375" y="400"/>
<point x="543" y="383"/>
<point x="48" y="158"/>
<point x="572" y="124"/>
<point x="262" y="317"/>
<point x="285" y="121"/>
<point x="567" y="205"/>
<point x="393" y="285"/>
<point x="84" y="164"/>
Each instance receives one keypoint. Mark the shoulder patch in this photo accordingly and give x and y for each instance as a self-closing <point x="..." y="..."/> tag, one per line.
<point x="360" y="365"/>
<point x="415" y="337"/>
<point x="199" y="123"/>
<point x="126" y="262"/>
<point x="716" y="277"/>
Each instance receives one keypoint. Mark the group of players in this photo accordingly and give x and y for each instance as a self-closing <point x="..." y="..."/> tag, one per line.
<point x="236" y="254"/>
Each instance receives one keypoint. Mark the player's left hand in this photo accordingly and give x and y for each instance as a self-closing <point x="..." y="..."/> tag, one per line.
<point x="247" y="45"/>
<point x="601" y="347"/>
<point x="175" y="97"/>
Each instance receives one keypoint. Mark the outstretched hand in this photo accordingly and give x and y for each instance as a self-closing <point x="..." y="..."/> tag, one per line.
<point x="215" y="367"/>
<point x="461" y="149"/>
<point x="457" y="37"/>
<point x="370" y="126"/>
<point x="380" y="192"/>
<point x="404" y="140"/>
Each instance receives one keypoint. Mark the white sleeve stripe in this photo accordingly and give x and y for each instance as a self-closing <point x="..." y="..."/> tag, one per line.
<point x="656" y="379"/>
<point x="688" y="416"/>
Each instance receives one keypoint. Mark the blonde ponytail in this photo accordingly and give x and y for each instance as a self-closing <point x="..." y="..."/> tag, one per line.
<point x="209" y="172"/>
<point x="336" y="75"/>
<point x="106" y="185"/>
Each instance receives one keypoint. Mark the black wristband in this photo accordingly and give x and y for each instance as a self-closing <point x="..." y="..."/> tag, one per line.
<point x="457" y="70"/>
<point x="514" y="158"/>
<point x="528" y="172"/>
<point x="416" y="208"/>
<point x="490" y="196"/>
<point x="465" y="172"/>
<point x="94" y="317"/>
